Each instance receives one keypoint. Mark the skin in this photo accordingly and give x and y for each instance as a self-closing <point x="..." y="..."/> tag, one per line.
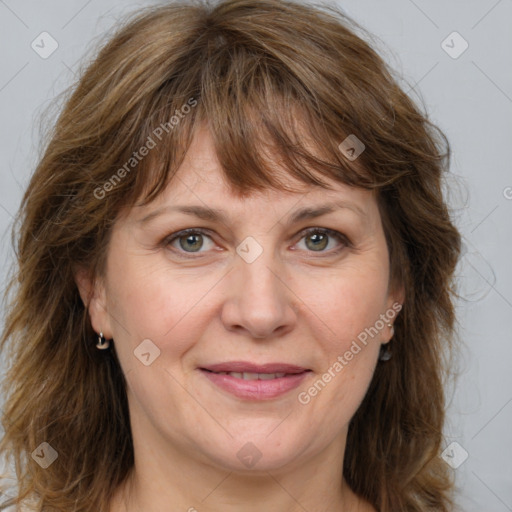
<point x="296" y="303"/>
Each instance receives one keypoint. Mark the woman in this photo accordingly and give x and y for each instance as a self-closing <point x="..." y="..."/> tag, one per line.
<point x="235" y="276"/>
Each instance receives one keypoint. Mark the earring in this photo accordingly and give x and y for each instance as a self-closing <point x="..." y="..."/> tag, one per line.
<point x="102" y="342"/>
<point x="385" y="351"/>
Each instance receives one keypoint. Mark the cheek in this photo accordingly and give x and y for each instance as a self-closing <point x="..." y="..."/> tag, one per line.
<point x="349" y="332"/>
<point x="350" y="302"/>
<point x="148" y="301"/>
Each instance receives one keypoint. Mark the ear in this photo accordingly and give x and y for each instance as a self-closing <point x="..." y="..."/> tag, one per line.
<point x="397" y="297"/>
<point x="394" y="305"/>
<point x="93" y="294"/>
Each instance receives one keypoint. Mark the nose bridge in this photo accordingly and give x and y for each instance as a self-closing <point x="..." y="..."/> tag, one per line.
<point x="258" y="271"/>
<point x="258" y="301"/>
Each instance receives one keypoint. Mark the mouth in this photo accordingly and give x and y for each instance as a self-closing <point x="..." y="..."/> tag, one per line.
<point x="257" y="376"/>
<point x="248" y="367"/>
<point x="255" y="385"/>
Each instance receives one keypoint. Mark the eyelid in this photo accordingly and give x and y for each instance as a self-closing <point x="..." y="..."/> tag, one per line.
<point x="341" y="237"/>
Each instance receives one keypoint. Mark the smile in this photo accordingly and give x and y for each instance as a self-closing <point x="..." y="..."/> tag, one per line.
<point x="255" y="386"/>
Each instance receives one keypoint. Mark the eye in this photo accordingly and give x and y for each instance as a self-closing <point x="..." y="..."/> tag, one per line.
<point x="317" y="239"/>
<point x="189" y="240"/>
<point x="192" y="241"/>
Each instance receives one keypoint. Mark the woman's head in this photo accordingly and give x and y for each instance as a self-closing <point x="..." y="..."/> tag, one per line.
<point x="253" y="110"/>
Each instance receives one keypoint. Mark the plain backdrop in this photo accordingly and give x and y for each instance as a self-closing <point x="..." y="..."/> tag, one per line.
<point x="467" y="91"/>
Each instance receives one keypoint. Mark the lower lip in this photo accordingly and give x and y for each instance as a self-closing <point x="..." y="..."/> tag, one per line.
<point x="256" y="389"/>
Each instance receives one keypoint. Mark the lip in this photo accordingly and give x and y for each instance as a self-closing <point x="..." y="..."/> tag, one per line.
<point x="246" y="366"/>
<point x="256" y="389"/>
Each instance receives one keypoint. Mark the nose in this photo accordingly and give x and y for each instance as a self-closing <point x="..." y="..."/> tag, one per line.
<point x="258" y="299"/>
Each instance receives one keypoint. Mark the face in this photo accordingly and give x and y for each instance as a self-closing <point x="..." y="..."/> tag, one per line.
<point x="256" y="286"/>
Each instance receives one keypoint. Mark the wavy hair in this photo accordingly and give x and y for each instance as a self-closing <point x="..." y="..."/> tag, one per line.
<point x="255" y="71"/>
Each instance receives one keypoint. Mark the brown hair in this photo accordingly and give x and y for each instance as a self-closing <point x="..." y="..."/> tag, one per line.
<point x="251" y="69"/>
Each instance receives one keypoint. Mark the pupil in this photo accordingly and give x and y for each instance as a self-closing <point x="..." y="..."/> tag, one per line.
<point x="322" y="241"/>
<point x="190" y="238"/>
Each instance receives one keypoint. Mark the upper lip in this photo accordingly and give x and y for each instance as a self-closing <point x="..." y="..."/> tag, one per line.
<point x="245" y="366"/>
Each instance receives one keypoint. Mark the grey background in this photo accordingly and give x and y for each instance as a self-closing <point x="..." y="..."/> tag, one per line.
<point x="469" y="97"/>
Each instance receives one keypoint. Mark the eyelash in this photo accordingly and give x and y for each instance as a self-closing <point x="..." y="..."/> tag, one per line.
<point x="324" y="231"/>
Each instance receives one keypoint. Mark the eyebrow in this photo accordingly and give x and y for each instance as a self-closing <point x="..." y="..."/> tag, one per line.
<point x="205" y="213"/>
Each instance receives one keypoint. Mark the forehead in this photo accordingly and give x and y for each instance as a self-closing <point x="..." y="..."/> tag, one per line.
<point x="200" y="176"/>
<point x="200" y="189"/>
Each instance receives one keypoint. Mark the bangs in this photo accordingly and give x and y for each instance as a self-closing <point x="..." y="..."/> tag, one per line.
<point x="266" y="126"/>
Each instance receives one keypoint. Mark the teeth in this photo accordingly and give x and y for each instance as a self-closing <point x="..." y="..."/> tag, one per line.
<point x="268" y="376"/>
<point x="254" y="376"/>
